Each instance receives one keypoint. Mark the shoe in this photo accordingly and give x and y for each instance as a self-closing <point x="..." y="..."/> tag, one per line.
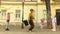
<point x="29" y="31"/>
<point x="53" y="29"/>
<point x="7" y="29"/>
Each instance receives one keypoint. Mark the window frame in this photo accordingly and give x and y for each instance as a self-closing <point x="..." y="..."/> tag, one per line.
<point x="3" y="14"/>
<point x="45" y="14"/>
<point x="18" y="18"/>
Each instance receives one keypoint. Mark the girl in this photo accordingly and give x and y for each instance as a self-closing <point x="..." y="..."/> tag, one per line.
<point x="42" y="23"/>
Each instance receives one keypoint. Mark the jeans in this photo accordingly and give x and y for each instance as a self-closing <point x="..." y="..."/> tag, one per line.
<point x="31" y="24"/>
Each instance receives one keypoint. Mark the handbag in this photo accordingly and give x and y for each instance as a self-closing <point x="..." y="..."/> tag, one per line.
<point x="25" y="22"/>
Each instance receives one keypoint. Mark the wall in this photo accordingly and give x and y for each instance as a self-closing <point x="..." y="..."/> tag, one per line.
<point x="38" y="11"/>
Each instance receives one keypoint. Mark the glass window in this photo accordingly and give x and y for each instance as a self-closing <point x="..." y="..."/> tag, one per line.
<point x="17" y="14"/>
<point x="45" y="14"/>
<point x="3" y="14"/>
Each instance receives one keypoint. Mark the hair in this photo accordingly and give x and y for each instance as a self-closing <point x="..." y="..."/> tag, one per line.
<point x="31" y="10"/>
<point x="8" y="13"/>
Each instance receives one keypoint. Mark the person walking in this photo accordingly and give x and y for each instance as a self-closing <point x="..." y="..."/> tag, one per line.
<point x="8" y="20"/>
<point x="42" y="23"/>
<point x="30" y="20"/>
<point x="54" y="23"/>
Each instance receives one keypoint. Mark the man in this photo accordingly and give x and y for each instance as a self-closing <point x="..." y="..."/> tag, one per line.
<point x="8" y="20"/>
<point x="54" y="23"/>
<point x="30" y="19"/>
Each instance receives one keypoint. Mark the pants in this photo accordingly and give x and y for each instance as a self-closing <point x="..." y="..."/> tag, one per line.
<point x="42" y="25"/>
<point x="7" y="23"/>
<point x="54" y="26"/>
<point x="31" y="25"/>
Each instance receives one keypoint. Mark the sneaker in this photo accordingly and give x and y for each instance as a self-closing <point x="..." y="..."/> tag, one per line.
<point x="53" y="29"/>
<point x="30" y="31"/>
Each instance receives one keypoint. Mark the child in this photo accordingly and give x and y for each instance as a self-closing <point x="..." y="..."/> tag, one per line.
<point x="42" y="23"/>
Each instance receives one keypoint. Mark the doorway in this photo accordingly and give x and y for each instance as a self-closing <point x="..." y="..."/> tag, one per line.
<point x="58" y="16"/>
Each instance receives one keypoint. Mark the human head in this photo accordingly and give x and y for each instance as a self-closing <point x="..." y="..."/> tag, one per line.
<point x="8" y="13"/>
<point x="31" y="10"/>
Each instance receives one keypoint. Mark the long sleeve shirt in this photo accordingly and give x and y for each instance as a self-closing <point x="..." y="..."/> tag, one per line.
<point x="30" y="17"/>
